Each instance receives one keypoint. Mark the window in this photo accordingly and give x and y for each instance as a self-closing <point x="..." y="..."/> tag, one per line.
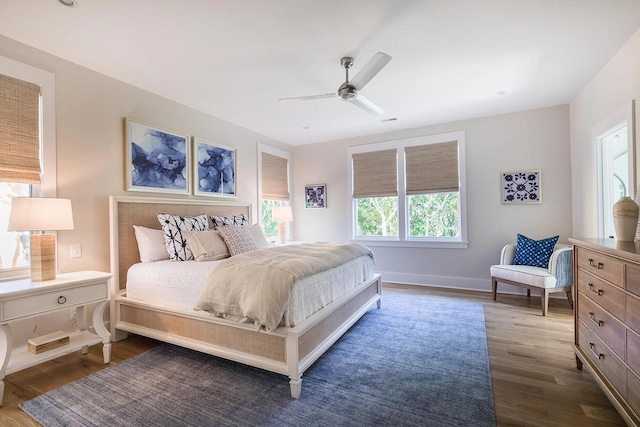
<point x="614" y="179"/>
<point x="27" y="152"/>
<point x="274" y="186"/>
<point x="410" y="192"/>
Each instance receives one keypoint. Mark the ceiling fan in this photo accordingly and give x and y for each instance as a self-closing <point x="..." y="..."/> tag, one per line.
<point x="349" y="90"/>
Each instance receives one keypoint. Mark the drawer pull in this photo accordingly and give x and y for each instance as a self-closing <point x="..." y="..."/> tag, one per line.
<point x="598" y="265"/>
<point x="598" y="355"/>
<point x="597" y="322"/>
<point x="62" y="299"/>
<point x="598" y="292"/>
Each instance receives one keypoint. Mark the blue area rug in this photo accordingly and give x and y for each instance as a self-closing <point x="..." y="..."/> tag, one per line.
<point x="416" y="361"/>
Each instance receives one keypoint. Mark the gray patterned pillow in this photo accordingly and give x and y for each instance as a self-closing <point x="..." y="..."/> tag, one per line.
<point x="223" y="221"/>
<point x="176" y="242"/>
<point x="238" y="239"/>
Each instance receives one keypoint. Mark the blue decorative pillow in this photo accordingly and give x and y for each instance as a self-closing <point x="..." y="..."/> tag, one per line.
<point x="222" y="221"/>
<point x="534" y="252"/>
<point x="176" y="242"/>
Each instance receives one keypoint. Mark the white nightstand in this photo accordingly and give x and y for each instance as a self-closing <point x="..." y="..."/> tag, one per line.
<point x="22" y="299"/>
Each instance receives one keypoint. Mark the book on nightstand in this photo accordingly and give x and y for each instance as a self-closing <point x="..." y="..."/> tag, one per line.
<point x="48" y="342"/>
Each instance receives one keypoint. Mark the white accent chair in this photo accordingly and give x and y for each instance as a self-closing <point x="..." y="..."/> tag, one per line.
<point x="557" y="278"/>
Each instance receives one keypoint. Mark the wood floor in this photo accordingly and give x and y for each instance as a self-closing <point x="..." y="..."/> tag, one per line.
<point x="533" y="371"/>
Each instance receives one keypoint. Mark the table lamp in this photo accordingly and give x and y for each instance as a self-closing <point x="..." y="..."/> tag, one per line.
<point x="282" y="214"/>
<point x="41" y="214"/>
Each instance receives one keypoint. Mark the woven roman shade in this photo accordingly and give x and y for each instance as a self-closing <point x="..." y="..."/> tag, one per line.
<point x="19" y="131"/>
<point x="275" y="177"/>
<point x="432" y="168"/>
<point x="375" y="174"/>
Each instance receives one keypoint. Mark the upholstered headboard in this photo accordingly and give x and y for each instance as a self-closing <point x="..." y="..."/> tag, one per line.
<point x="125" y="212"/>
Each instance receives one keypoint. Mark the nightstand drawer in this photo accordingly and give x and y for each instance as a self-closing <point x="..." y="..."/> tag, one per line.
<point x="29" y="305"/>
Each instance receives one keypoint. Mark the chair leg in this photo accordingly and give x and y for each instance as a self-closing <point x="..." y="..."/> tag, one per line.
<point x="544" y="297"/>
<point x="528" y="293"/>
<point x="494" y="287"/>
<point x="570" y="297"/>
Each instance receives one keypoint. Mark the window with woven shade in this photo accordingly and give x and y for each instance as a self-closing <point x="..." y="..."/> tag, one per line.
<point x="273" y="186"/>
<point x="19" y="131"/>
<point x="410" y="190"/>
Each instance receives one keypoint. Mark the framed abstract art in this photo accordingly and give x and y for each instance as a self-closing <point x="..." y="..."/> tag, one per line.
<point x="157" y="159"/>
<point x="214" y="172"/>
<point x="315" y="196"/>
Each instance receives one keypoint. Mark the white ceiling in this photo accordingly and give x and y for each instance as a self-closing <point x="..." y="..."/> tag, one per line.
<point x="234" y="58"/>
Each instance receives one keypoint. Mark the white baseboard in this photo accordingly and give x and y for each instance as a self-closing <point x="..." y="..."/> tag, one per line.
<point x="465" y="283"/>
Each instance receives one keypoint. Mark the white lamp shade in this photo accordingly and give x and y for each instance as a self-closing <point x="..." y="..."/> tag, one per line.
<point x="282" y="214"/>
<point x="40" y="214"/>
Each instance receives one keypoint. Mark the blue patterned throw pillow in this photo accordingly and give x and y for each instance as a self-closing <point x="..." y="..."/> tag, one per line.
<point x="176" y="242"/>
<point x="534" y="252"/>
<point x="223" y="221"/>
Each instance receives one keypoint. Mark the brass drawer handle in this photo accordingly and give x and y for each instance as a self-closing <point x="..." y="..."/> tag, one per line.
<point x="598" y="292"/>
<point x="598" y="355"/>
<point x="62" y="299"/>
<point x="598" y="265"/>
<point x="597" y="322"/>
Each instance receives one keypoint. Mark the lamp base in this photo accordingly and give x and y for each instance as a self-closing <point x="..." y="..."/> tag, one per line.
<point x="282" y="232"/>
<point x="43" y="257"/>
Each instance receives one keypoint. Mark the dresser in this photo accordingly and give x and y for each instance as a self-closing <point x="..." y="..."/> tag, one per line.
<point x="24" y="299"/>
<point x="607" y="319"/>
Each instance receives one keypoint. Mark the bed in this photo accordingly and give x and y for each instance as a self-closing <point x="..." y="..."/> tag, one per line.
<point x="287" y="350"/>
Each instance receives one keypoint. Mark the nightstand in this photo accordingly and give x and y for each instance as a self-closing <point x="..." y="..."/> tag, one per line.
<point x="23" y="299"/>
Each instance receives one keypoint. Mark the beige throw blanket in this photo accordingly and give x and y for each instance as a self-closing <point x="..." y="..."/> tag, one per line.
<point x="255" y="286"/>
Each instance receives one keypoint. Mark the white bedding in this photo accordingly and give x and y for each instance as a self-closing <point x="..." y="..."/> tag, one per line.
<point x="179" y="284"/>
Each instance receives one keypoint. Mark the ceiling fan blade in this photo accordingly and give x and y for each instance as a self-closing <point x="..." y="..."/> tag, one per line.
<point x="366" y="105"/>
<point x="305" y="98"/>
<point x="371" y="68"/>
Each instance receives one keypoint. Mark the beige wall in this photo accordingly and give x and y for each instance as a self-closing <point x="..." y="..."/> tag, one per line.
<point x="90" y="109"/>
<point x="528" y="140"/>
<point x="597" y="107"/>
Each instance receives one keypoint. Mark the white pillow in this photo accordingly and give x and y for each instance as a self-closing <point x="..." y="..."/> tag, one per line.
<point x="151" y="244"/>
<point x="258" y="235"/>
<point x="206" y="245"/>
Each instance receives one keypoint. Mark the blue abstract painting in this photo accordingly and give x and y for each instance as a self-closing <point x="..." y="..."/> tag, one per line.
<point x="159" y="159"/>
<point x="215" y="169"/>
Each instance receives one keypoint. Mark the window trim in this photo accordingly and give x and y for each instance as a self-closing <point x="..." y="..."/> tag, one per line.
<point x="48" y="185"/>
<point x="402" y="240"/>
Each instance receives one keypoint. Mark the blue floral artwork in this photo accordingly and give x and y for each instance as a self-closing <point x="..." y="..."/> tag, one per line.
<point x="159" y="159"/>
<point x="215" y="169"/>
<point x="521" y="187"/>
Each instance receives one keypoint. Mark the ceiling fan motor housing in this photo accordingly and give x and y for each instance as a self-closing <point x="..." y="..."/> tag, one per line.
<point x="347" y="91"/>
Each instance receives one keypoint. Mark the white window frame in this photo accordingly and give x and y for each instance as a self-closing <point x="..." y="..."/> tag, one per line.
<point x="48" y="185"/>
<point x="403" y="239"/>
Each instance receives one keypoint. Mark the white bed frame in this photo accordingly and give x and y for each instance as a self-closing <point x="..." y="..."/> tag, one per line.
<point x="287" y="351"/>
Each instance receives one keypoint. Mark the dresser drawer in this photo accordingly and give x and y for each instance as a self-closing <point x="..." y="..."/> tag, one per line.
<point x="632" y="314"/>
<point x="632" y="279"/>
<point x="603" y="324"/>
<point x="608" y="296"/>
<point x="604" y="358"/>
<point x="15" y="308"/>
<point x="633" y="392"/>
<point x="633" y="351"/>
<point x="601" y="265"/>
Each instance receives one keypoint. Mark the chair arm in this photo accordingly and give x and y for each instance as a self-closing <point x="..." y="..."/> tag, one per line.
<point x="561" y="265"/>
<point x="508" y="254"/>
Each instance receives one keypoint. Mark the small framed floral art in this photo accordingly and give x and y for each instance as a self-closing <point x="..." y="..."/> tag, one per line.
<point x="521" y="187"/>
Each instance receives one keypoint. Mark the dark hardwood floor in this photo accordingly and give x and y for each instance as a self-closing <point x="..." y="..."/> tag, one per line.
<point x="533" y="371"/>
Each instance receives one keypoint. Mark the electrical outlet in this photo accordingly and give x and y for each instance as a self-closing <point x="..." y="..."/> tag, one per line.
<point x="76" y="251"/>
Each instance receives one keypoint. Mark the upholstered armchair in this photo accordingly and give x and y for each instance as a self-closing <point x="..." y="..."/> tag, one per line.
<point x="558" y="277"/>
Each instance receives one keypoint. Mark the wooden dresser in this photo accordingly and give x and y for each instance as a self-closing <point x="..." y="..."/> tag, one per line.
<point x="607" y="319"/>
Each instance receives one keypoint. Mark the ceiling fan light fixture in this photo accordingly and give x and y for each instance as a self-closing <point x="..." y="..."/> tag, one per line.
<point x="347" y="92"/>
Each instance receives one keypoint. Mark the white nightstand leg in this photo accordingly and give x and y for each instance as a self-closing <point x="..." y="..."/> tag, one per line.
<point x="98" y="325"/>
<point x="82" y="325"/>
<point x="6" y="346"/>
